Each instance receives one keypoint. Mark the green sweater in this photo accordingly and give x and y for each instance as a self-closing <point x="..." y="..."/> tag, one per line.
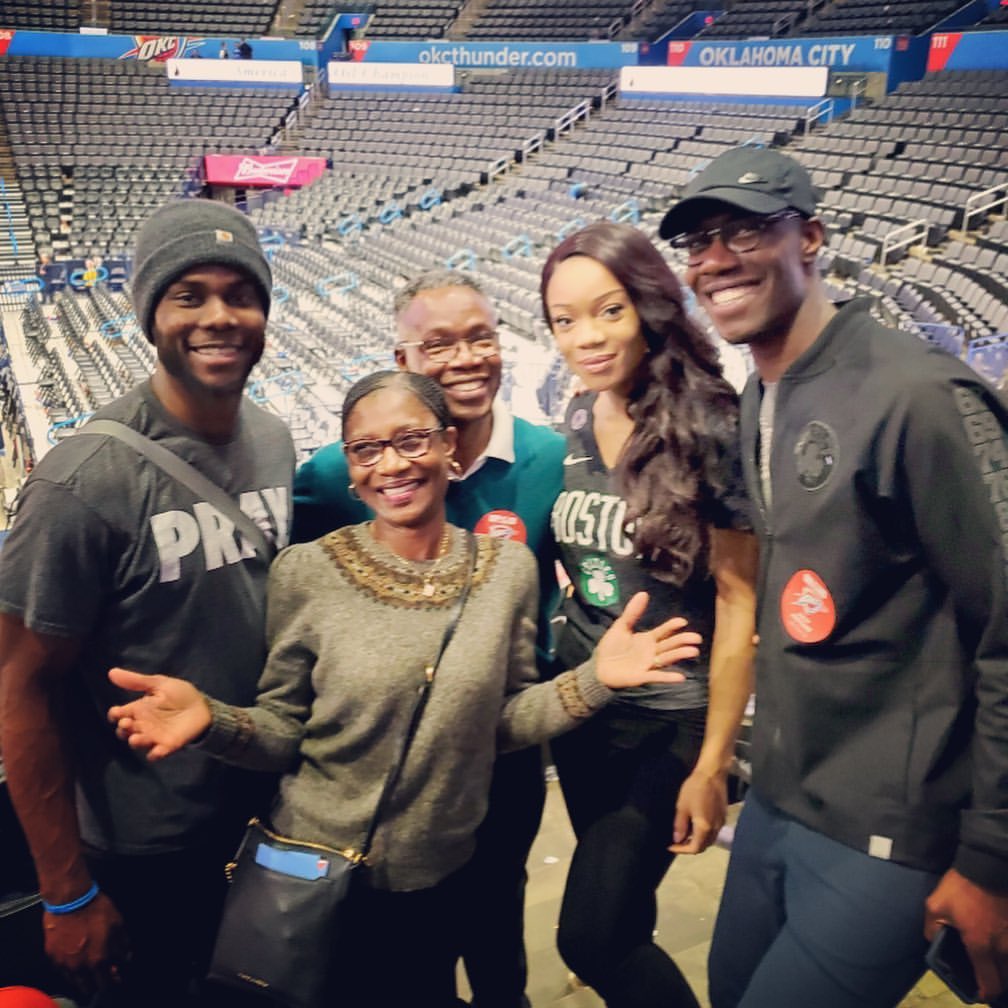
<point x="507" y="499"/>
<point x="350" y="633"/>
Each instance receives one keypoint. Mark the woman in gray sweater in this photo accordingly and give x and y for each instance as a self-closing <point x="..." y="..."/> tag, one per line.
<point x="353" y="621"/>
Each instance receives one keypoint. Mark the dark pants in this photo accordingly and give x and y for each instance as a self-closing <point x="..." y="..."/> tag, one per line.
<point x="401" y="949"/>
<point x="171" y="906"/>
<point x="493" y="939"/>
<point x="805" y="920"/>
<point x="621" y="772"/>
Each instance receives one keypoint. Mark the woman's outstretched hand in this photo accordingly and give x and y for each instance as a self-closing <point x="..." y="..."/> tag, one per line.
<point x="625" y="658"/>
<point x="171" y="713"/>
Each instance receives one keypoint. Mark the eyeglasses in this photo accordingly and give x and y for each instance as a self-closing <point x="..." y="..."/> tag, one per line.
<point x="740" y="235"/>
<point x="481" y="344"/>
<point x="410" y="444"/>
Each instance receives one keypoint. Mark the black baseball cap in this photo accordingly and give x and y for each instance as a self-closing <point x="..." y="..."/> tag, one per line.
<point x="757" y="179"/>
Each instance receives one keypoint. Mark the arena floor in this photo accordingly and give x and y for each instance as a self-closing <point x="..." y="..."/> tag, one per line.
<point x="687" y="904"/>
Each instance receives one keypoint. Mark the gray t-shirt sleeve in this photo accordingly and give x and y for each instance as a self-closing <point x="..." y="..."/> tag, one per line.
<point x="56" y="563"/>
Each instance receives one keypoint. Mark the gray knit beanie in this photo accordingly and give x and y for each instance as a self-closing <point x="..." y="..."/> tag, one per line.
<point x="187" y="233"/>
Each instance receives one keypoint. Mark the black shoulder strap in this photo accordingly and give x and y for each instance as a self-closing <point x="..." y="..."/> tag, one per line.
<point x="188" y="476"/>
<point x="423" y="694"/>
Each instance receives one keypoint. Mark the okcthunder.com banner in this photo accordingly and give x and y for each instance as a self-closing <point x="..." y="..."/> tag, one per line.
<point x="499" y="55"/>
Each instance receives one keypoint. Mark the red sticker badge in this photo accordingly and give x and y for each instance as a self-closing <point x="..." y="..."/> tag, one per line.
<point x="807" y="609"/>
<point x="502" y="525"/>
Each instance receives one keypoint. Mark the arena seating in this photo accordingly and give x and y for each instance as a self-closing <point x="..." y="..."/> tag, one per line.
<point x="456" y="137"/>
<point x="312" y="19"/>
<point x="489" y="178"/>
<point x="404" y="19"/>
<point x="54" y="15"/>
<point x="108" y="140"/>
<point x="189" y="17"/>
<point x="655" y="19"/>
<point x="930" y="151"/>
<point x="547" y="19"/>
<point x="996" y="20"/>
<point x="859" y="17"/>
<point x="761" y="17"/>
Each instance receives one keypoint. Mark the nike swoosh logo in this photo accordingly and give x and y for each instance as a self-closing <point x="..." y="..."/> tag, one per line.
<point x="574" y="459"/>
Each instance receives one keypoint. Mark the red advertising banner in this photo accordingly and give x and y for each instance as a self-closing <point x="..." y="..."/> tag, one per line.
<point x="262" y="170"/>
<point x="6" y="34"/>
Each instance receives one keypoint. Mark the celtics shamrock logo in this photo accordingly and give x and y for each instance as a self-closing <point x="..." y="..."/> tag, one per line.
<point x="598" y="582"/>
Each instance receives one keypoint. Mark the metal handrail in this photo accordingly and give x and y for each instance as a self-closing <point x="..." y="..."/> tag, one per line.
<point x="620" y="22"/>
<point x="974" y="205"/>
<point x="815" y="112"/>
<point x="533" y="144"/>
<point x="10" y="217"/>
<point x="498" y="167"/>
<point x="917" y="232"/>
<point x="783" y="22"/>
<point x="580" y="111"/>
<point x="857" y="88"/>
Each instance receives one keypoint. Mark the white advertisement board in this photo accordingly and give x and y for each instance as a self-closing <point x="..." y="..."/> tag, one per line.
<point x="401" y="75"/>
<point x="765" y="82"/>
<point x="234" y="71"/>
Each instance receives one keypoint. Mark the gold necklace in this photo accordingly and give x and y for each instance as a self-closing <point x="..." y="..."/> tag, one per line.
<point x="429" y="587"/>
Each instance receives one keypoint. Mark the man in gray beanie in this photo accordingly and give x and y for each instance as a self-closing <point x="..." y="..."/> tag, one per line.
<point x="111" y="561"/>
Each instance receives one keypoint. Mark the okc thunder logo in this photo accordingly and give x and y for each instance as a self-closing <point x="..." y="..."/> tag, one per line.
<point x="158" y="48"/>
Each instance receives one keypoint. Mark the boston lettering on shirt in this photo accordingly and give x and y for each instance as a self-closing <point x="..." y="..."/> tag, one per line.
<point x="596" y="549"/>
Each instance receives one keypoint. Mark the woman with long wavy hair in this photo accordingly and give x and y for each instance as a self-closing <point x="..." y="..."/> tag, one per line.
<point x="652" y="498"/>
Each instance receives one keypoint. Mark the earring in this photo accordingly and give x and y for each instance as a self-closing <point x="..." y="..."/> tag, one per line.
<point x="352" y="492"/>
<point x="454" y="470"/>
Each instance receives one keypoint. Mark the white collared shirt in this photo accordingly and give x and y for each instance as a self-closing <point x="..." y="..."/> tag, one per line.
<point x="501" y="443"/>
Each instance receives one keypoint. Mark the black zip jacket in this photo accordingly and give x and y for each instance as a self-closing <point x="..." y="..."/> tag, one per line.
<point x="882" y="670"/>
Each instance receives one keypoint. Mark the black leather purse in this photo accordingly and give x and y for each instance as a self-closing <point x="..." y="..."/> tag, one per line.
<point x="282" y="916"/>
<point x="286" y="906"/>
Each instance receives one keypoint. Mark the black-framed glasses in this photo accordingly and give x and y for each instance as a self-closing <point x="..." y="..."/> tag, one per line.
<point x="409" y="444"/>
<point x="481" y="344"/>
<point x="740" y="235"/>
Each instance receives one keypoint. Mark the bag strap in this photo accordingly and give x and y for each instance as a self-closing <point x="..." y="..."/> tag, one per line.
<point x="188" y="476"/>
<point x="421" y="701"/>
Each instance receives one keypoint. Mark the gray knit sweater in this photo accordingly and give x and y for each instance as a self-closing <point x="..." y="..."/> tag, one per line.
<point x="350" y="632"/>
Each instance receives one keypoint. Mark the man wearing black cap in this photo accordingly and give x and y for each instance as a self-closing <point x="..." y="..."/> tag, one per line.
<point x="879" y="470"/>
<point x="111" y="561"/>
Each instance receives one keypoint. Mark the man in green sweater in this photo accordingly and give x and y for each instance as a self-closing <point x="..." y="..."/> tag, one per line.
<point x="510" y="474"/>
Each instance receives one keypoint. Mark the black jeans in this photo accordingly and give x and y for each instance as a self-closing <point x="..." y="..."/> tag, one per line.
<point x="621" y="772"/>
<point x="493" y="939"/>
<point x="171" y="906"/>
<point x="401" y="947"/>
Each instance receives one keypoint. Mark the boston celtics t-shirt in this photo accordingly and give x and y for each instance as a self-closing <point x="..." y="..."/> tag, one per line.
<point x="594" y="540"/>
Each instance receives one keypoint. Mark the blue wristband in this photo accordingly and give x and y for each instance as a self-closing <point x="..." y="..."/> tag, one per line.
<point x="77" y="904"/>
